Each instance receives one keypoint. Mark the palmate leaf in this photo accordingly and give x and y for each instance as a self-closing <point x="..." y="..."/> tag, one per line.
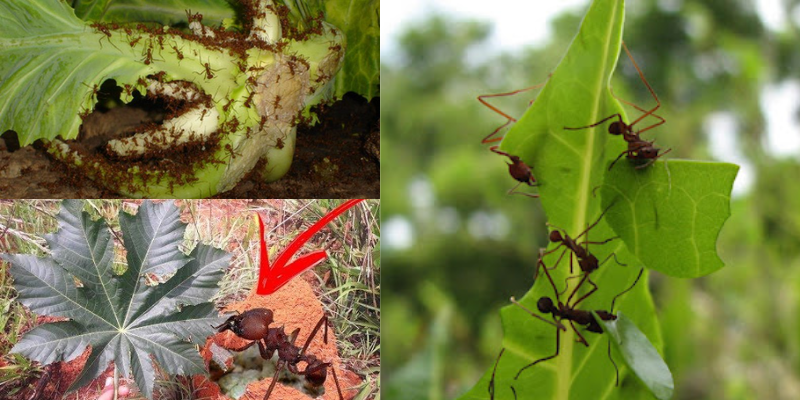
<point x="124" y="320"/>
<point x="568" y="166"/>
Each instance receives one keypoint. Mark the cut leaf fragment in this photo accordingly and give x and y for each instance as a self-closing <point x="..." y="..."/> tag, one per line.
<point x="640" y="355"/>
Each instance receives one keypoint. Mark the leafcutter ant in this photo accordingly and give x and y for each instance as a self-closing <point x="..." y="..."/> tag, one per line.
<point x="638" y="148"/>
<point x="587" y="261"/>
<point x="560" y="313"/>
<point x="254" y="325"/>
<point x="519" y="171"/>
<point x="565" y="311"/>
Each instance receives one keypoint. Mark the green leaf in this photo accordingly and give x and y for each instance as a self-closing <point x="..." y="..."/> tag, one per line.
<point x="568" y="166"/>
<point x="670" y="214"/>
<point x="52" y="64"/>
<point x="360" y="21"/>
<point x="124" y="320"/>
<point x="167" y="12"/>
<point x="640" y="355"/>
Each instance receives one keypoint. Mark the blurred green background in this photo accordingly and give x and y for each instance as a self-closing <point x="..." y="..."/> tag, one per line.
<point x="456" y="246"/>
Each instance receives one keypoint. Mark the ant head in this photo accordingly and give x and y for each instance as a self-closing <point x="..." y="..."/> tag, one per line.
<point x="545" y="305"/>
<point x="618" y="128"/>
<point x="555" y="236"/>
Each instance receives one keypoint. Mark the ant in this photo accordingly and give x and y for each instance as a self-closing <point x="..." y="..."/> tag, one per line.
<point x="519" y="171"/>
<point x="638" y="148"/>
<point x="567" y="312"/>
<point x="148" y="55"/>
<point x="178" y="53"/>
<point x="254" y="325"/>
<point x="209" y="74"/>
<point x="587" y="261"/>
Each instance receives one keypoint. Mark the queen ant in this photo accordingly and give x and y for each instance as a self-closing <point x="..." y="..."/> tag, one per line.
<point x="638" y="148"/>
<point x="254" y="325"/>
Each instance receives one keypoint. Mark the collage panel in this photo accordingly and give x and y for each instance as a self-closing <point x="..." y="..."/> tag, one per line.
<point x="211" y="299"/>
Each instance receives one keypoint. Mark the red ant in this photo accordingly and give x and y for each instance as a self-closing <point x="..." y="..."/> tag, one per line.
<point x="209" y="74"/>
<point x="567" y="312"/>
<point x="587" y="261"/>
<point x="519" y="171"/>
<point x="178" y="52"/>
<point x="638" y="149"/>
<point x="254" y="325"/>
<point x="148" y="58"/>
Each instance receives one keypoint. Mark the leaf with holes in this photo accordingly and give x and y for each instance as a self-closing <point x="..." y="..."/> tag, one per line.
<point x="124" y="320"/>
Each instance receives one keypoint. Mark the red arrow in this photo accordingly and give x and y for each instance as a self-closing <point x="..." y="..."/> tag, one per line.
<point x="270" y="279"/>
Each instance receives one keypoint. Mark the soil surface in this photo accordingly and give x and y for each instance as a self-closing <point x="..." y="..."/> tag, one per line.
<point x="339" y="157"/>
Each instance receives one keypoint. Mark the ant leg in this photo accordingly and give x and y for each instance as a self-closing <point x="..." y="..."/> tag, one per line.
<point x="513" y="191"/>
<point x="619" y="116"/>
<point x="547" y="270"/>
<point x="339" y="389"/>
<point x="245" y="347"/>
<point x="262" y="349"/>
<point x="641" y="75"/>
<point x="278" y="368"/>
<point x="322" y="320"/>
<point x="612" y="360"/>
<point x="594" y="289"/>
<point x="617" y="159"/>
<point x="627" y="290"/>
<point x="558" y="346"/>
<point x="580" y="339"/>
<point x="514" y="391"/>
<point x="615" y="259"/>
<point x="491" y="381"/>
<point x="489" y="139"/>
<point x="647" y="112"/>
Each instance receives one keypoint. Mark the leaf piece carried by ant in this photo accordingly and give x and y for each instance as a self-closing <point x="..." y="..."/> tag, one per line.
<point x="640" y="355"/>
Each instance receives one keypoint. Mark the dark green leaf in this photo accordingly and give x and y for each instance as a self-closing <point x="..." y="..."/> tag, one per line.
<point x="122" y="319"/>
